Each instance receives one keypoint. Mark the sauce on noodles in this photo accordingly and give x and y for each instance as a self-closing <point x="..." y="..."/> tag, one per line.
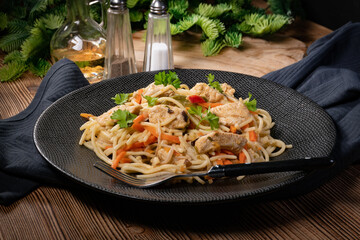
<point x="169" y="127"/>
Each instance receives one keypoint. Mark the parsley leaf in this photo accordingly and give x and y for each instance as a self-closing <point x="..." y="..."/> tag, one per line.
<point x="210" y="117"/>
<point x="121" y="98"/>
<point x="124" y="118"/>
<point x="251" y="105"/>
<point x="213" y="84"/>
<point x="213" y="120"/>
<point x="195" y="110"/>
<point x="151" y="100"/>
<point x="165" y="79"/>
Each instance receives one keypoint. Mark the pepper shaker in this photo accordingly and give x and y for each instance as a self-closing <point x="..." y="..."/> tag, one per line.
<point x="158" y="51"/>
<point x="120" y="56"/>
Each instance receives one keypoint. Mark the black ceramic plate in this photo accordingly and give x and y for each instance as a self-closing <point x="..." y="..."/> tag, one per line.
<point x="299" y="121"/>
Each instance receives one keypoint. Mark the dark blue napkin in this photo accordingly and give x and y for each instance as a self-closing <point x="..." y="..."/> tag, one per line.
<point x="329" y="75"/>
<point x="22" y="168"/>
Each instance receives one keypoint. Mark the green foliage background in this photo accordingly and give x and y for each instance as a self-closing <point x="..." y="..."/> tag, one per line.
<point x="26" y="26"/>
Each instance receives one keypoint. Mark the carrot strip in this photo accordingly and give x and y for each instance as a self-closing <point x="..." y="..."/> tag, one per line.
<point x="252" y="136"/>
<point x="139" y="118"/>
<point x="219" y="162"/>
<point x="137" y="123"/>
<point x="150" y="140"/>
<point x="107" y="147"/>
<point x="125" y="160"/>
<point x="245" y="127"/>
<point x="227" y="162"/>
<point x="232" y="129"/>
<point x="138" y="95"/>
<point x="207" y="104"/>
<point x="242" y="157"/>
<point x="227" y="152"/>
<point x="86" y="115"/>
<point x="138" y="127"/>
<point x="164" y="136"/>
<point x="118" y="159"/>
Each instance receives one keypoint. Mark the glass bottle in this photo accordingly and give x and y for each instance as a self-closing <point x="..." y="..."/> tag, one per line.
<point x="81" y="40"/>
<point x="158" y="50"/>
<point x="120" y="56"/>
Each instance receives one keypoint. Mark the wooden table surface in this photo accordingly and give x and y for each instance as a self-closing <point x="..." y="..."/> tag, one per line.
<point x="329" y="212"/>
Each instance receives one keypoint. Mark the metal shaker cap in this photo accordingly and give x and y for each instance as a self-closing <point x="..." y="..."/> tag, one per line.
<point x="158" y="7"/>
<point x="118" y="4"/>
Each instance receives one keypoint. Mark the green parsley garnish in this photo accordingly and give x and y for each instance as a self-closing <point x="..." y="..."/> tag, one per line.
<point x="124" y="118"/>
<point x="151" y="100"/>
<point x="210" y="117"/>
<point x="121" y="98"/>
<point x="165" y="79"/>
<point x="251" y="105"/>
<point x="213" y="83"/>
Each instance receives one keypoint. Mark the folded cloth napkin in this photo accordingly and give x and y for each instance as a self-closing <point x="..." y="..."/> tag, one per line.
<point x="329" y="75"/>
<point x="22" y="168"/>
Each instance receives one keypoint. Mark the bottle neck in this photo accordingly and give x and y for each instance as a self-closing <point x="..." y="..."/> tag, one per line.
<point x="77" y="9"/>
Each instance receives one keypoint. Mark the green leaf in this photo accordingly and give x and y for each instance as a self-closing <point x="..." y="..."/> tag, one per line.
<point x="39" y="67"/>
<point x="214" y="84"/>
<point x="208" y="10"/>
<point x="151" y="100"/>
<point x="165" y="79"/>
<point x="136" y="16"/>
<point x="212" y="119"/>
<point x="13" y="41"/>
<point x="131" y="3"/>
<point x="52" y="21"/>
<point x="178" y="8"/>
<point x="184" y="24"/>
<point x="40" y="6"/>
<point x="258" y="25"/>
<point x="12" y="71"/>
<point x="209" y="26"/>
<point x="212" y="47"/>
<point x="121" y="98"/>
<point x="233" y="39"/>
<point x="124" y="118"/>
<point x="13" y="56"/>
<point x="195" y="110"/>
<point x="3" y="21"/>
<point x="251" y="105"/>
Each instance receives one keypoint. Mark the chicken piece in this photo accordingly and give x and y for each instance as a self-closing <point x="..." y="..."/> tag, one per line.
<point x="232" y="114"/>
<point x="204" y="90"/>
<point x="170" y="116"/>
<point x="228" y="90"/>
<point x="154" y="89"/>
<point x="162" y="154"/>
<point x="219" y="140"/>
<point x="105" y="118"/>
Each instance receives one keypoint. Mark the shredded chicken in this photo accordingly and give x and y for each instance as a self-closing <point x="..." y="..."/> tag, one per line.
<point x="228" y="90"/>
<point x="232" y="114"/>
<point x="204" y="90"/>
<point x="219" y="140"/>
<point x="170" y="116"/>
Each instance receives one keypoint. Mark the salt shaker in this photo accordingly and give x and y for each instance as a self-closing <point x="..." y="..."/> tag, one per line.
<point x="158" y="51"/>
<point x="119" y="54"/>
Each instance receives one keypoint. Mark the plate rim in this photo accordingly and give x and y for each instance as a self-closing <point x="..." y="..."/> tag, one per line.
<point x="299" y="176"/>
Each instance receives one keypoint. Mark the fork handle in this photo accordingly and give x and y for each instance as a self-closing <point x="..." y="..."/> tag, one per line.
<point x="304" y="164"/>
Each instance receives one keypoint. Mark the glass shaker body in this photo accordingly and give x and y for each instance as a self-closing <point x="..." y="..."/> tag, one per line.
<point x="158" y="50"/>
<point x="81" y="40"/>
<point x="120" y="56"/>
